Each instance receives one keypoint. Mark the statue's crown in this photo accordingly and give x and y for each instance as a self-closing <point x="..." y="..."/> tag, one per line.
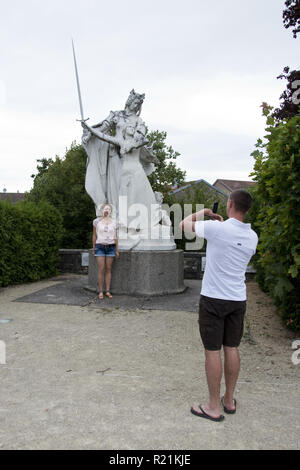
<point x="133" y="95"/>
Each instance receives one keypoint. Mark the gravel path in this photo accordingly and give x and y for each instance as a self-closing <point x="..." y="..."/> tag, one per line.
<point x="86" y="377"/>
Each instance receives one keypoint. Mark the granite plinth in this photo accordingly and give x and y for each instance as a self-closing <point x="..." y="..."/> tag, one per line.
<point x="143" y="273"/>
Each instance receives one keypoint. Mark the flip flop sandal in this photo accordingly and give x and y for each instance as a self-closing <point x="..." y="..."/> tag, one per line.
<point x="108" y="294"/>
<point x="205" y="415"/>
<point x="229" y="412"/>
<point x="101" y="296"/>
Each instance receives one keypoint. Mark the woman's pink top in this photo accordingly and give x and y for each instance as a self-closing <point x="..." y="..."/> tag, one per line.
<point x="106" y="233"/>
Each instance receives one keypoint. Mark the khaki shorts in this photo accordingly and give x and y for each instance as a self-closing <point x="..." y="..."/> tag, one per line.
<point x="221" y="322"/>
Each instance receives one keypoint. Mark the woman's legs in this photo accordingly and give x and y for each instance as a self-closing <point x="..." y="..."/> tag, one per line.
<point x="108" y="266"/>
<point x="101" y="267"/>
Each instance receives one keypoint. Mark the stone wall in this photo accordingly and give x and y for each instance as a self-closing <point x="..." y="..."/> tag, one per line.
<point x="74" y="261"/>
<point x="193" y="263"/>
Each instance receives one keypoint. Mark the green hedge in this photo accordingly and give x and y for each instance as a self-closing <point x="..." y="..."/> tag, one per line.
<point x="276" y="216"/>
<point x="30" y="234"/>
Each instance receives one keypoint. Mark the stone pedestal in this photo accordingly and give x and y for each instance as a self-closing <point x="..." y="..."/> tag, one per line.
<point x="143" y="273"/>
<point x="160" y="238"/>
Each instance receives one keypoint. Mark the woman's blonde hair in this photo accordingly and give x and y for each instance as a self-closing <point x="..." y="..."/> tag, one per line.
<point x="100" y="209"/>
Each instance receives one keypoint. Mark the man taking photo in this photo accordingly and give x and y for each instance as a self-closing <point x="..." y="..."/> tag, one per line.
<point x="230" y="246"/>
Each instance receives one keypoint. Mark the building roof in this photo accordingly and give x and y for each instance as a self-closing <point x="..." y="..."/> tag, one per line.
<point x="13" y="197"/>
<point x="190" y="183"/>
<point x="231" y="185"/>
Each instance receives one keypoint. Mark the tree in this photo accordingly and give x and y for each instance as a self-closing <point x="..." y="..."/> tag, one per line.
<point x="43" y="168"/>
<point x="291" y="16"/>
<point x="276" y="211"/>
<point x="166" y="173"/>
<point x="291" y="96"/>
<point x="277" y="214"/>
<point x="62" y="183"/>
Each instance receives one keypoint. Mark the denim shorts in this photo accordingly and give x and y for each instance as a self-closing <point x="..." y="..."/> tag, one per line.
<point x="105" y="250"/>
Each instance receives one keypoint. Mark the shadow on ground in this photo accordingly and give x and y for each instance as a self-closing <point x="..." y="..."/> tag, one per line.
<point x="73" y="290"/>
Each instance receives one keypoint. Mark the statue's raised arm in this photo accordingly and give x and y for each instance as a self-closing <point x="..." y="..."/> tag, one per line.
<point x="107" y="124"/>
<point x="101" y="135"/>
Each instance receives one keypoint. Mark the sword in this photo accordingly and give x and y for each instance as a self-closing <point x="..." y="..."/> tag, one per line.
<point x="78" y="86"/>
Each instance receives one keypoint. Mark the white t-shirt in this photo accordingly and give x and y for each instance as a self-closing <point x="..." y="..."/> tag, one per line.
<point x="106" y="233"/>
<point x="230" y="246"/>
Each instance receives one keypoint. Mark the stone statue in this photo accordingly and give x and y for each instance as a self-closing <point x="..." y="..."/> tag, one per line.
<point x="119" y="160"/>
<point x="165" y="219"/>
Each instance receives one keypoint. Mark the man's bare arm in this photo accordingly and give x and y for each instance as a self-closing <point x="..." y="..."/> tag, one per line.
<point x="188" y="224"/>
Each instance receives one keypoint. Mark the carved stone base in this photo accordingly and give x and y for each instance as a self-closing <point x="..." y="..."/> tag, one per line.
<point x="143" y="273"/>
<point x="161" y="238"/>
<point x="147" y="245"/>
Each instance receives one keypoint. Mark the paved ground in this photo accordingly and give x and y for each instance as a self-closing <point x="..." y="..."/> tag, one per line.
<point x="122" y="374"/>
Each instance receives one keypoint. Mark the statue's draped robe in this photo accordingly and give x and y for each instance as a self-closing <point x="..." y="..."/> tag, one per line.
<point x="95" y="178"/>
<point x="103" y="172"/>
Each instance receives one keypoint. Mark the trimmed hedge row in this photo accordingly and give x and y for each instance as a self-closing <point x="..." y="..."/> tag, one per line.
<point x="276" y="216"/>
<point x="30" y="235"/>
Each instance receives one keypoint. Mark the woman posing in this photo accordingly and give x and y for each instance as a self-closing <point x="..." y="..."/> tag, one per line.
<point x="105" y="247"/>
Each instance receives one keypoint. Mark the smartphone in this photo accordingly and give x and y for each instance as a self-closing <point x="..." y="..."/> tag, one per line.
<point x="215" y="207"/>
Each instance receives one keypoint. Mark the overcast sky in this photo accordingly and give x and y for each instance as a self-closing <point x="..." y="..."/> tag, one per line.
<point x="205" y="68"/>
